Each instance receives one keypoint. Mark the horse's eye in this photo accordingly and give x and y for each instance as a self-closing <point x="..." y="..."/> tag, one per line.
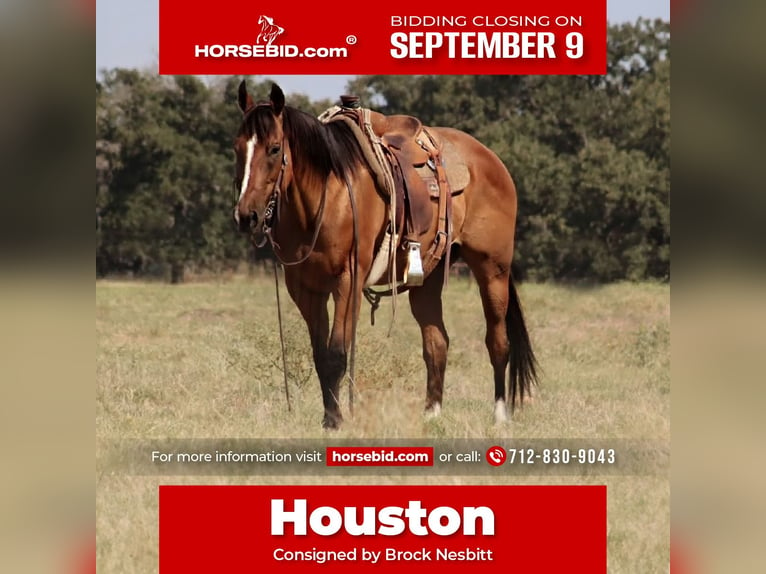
<point x="273" y="150"/>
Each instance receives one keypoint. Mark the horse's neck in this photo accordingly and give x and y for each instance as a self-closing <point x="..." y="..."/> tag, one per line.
<point x="300" y="209"/>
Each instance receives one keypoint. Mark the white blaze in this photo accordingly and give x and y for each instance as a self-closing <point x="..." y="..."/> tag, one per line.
<point x="248" y="160"/>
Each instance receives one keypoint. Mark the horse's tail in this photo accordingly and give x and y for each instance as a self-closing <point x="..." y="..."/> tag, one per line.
<point x="523" y="371"/>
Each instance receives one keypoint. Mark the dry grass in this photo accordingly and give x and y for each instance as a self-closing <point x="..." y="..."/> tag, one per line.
<point x="202" y="361"/>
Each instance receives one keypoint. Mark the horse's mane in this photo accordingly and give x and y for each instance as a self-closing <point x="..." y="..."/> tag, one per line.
<point x="327" y="148"/>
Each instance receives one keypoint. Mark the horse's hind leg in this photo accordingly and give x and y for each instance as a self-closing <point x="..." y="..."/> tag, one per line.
<point x="426" y="306"/>
<point x="493" y="278"/>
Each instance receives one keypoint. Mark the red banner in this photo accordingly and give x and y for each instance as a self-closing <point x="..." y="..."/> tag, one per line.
<point x="244" y="37"/>
<point x="304" y="529"/>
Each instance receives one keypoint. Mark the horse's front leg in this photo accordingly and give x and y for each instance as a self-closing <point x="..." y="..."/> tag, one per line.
<point x="341" y="335"/>
<point x="313" y="308"/>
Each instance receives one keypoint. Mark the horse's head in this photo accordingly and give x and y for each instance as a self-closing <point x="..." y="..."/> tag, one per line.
<point x="261" y="159"/>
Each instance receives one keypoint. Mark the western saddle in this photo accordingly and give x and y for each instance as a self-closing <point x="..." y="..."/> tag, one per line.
<point x="412" y="167"/>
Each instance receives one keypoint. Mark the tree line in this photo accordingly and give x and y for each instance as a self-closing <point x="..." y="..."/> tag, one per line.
<point x="590" y="156"/>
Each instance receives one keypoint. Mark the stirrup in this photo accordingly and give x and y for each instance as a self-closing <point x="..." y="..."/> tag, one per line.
<point x="413" y="273"/>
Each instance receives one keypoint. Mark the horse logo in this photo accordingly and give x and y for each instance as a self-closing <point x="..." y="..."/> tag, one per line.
<point x="269" y="30"/>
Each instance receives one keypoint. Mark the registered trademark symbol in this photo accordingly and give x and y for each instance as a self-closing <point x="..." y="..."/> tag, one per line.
<point x="351" y="39"/>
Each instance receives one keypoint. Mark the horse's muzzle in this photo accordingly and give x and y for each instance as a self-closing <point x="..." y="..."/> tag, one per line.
<point x="245" y="220"/>
<point x="249" y="222"/>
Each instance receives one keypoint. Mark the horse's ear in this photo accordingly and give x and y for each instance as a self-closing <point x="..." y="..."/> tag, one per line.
<point x="277" y="98"/>
<point x="245" y="101"/>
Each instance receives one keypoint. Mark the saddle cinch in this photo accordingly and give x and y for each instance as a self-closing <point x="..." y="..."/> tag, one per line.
<point x="414" y="167"/>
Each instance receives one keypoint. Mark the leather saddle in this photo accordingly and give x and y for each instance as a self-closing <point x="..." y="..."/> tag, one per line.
<point x="414" y="153"/>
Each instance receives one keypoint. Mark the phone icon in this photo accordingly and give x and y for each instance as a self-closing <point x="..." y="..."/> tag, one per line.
<point x="496" y="455"/>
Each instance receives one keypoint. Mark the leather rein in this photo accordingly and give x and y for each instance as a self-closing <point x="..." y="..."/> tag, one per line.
<point x="271" y="217"/>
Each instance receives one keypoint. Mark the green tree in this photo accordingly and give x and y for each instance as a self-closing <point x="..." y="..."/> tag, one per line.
<point x="168" y="199"/>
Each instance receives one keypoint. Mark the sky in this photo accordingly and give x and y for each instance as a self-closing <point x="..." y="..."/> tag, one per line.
<point x="126" y="37"/>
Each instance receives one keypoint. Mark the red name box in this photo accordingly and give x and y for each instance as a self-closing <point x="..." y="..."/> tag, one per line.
<point x="382" y="529"/>
<point x="395" y="37"/>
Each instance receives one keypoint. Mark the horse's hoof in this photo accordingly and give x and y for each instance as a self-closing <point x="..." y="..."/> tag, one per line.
<point x="501" y="412"/>
<point x="433" y="411"/>
<point x="331" y="422"/>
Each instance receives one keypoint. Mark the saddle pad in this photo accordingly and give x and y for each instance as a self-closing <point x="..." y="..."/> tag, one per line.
<point x="458" y="175"/>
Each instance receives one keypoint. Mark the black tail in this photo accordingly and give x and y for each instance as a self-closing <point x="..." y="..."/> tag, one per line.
<point x="523" y="363"/>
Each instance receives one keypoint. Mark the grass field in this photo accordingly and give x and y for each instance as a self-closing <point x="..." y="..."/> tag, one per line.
<point x="202" y="360"/>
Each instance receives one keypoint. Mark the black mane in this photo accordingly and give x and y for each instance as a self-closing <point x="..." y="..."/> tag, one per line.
<point x="328" y="148"/>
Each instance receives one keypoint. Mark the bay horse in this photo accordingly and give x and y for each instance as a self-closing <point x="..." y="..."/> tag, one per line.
<point x="331" y="219"/>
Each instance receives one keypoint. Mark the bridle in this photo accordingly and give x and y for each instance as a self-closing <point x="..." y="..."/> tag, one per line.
<point x="271" y="216"/>
<point x="273" y="209"/>
<point x="272" y="203"/>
